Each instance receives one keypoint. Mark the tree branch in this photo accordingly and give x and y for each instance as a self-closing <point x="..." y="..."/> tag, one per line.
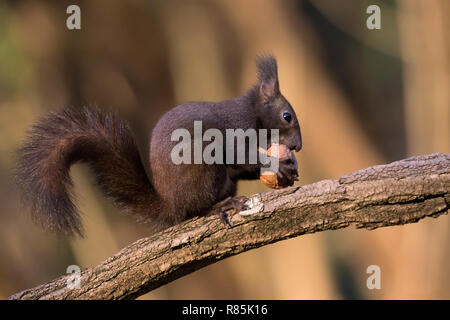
<point x="398" y="193"/>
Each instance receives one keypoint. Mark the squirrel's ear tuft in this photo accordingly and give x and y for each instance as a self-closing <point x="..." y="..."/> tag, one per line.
<point x="267" y="77"/>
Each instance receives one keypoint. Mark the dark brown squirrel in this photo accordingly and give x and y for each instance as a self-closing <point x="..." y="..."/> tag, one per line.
<point x="172" y="193"/>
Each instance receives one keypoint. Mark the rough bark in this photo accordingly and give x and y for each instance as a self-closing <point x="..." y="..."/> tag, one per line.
<point x="398" y="193"/>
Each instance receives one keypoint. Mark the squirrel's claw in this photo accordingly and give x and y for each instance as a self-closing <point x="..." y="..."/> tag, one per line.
<point x="235" y="205"/>
<point x="224" y="218"/>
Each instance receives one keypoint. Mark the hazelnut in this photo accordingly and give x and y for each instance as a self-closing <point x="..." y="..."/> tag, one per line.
<point x="270" y="178"/>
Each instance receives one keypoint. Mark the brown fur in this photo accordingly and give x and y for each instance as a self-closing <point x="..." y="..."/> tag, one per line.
<point x="91" y="136"/>
<point x="106" y="144"/>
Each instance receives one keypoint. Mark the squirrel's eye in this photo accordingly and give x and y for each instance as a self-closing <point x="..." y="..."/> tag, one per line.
<point x="287" y="116"/>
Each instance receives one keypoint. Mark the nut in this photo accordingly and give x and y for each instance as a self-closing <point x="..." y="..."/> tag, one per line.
<point x="270" y="178"/>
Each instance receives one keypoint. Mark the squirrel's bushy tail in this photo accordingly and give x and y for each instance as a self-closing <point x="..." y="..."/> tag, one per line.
<point x="101" y="140"/>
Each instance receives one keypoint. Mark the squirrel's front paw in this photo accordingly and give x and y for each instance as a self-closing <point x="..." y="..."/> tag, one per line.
<point x="287" y="172"/>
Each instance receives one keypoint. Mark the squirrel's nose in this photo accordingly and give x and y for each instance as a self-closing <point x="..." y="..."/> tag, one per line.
<point x="297" y="147"/>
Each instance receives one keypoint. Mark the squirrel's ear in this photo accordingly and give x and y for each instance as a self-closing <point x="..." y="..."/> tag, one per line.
<point x="268" y="90"/>
<point x="267" y="77"/>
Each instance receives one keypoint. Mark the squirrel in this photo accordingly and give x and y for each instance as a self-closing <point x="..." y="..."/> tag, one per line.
<point x="170" y="193"/>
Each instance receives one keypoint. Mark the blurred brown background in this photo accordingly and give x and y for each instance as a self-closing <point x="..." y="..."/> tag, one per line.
<point x="363" y="98"/>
